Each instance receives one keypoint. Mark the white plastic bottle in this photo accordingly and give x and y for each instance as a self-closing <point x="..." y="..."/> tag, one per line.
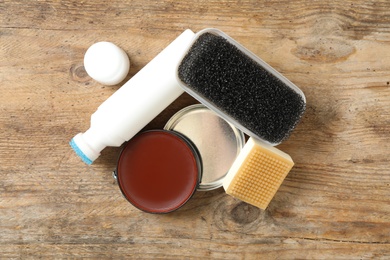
<point x="135" y="104"/>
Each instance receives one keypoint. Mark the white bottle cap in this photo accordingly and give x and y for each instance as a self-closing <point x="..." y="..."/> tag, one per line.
<point x="106" y="63"/>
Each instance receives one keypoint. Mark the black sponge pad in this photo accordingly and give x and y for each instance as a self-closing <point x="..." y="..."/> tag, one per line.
<point x="241" y="88"/>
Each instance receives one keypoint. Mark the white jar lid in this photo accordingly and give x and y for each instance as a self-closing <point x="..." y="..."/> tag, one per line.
<point x="106" y="63"/>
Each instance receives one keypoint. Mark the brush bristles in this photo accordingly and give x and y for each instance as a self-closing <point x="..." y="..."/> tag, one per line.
<point x="257" y="174"/>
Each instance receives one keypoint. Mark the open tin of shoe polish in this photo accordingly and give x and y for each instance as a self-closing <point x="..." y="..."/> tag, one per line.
<point x="158" y="171"/>
<point x="217" y="141"/>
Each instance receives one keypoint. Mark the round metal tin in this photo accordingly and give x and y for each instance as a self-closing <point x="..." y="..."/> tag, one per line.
<point x="217" y="141"/>
<point x="158" y="171"/>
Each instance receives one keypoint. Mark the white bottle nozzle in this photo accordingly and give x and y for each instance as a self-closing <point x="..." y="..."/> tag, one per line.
<point x="82" y="149"/>
<point x="135" y="104"/>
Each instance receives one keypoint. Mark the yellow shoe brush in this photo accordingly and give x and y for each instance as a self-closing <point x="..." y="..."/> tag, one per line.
<point x="257" y="173"/>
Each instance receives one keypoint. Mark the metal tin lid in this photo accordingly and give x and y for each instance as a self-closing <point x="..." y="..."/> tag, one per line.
<point x="217" y="141"/>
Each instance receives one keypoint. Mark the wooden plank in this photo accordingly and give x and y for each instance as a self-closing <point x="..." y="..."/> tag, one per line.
<point x="333" y="204"/>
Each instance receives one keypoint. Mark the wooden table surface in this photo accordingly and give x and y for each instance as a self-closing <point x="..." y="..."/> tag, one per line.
<point x="334" y="204"/>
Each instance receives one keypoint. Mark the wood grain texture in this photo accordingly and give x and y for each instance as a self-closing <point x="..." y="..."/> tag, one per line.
<point x="334" y="204"/>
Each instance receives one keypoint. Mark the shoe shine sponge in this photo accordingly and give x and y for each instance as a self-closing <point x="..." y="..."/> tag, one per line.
<point x="250" y="94"/>
<point x="240" y="87"/>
